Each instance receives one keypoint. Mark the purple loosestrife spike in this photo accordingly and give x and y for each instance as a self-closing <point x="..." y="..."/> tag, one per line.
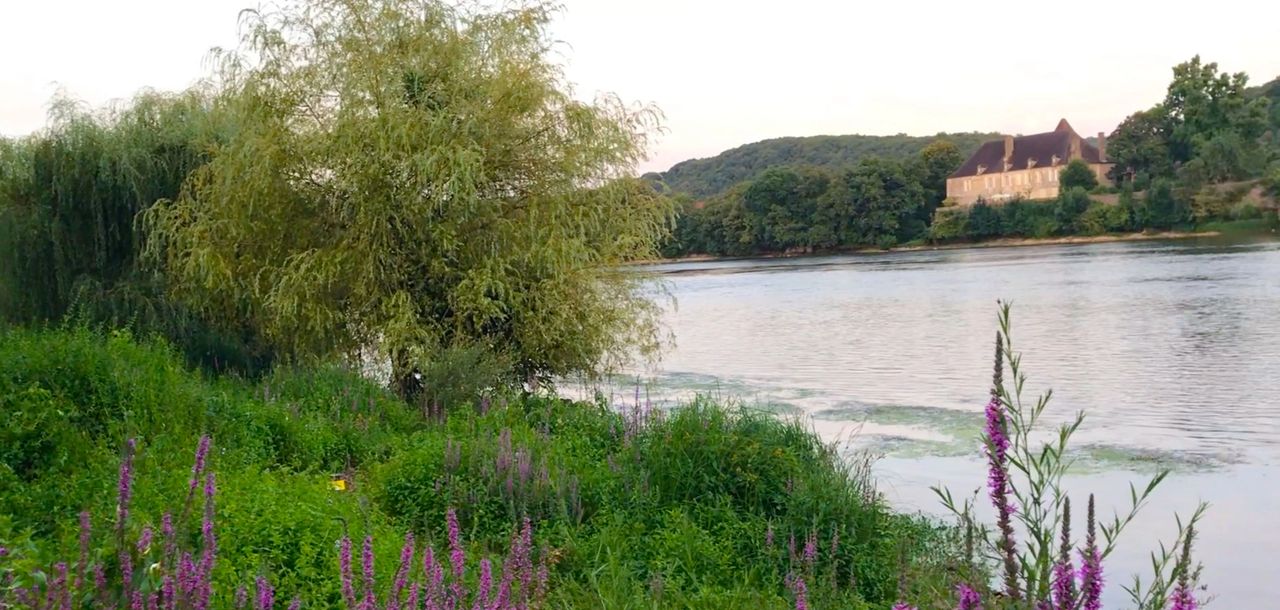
<point x="1064" y="574"/>
<point x="811" y="549"/>
<point x="296" y="604"/>
<point x="969" y="599"/>
<point x="202" y="451"/>
<point x="266" y="596"/>
<point x="136" y="602"/>
<point x="1090" y="565"/>
<point x="144" y="540"/>
<point x="83" y="565"/>
<point x="167" y="591"/>
<point x="412" y="602"/>
<point x="997" y="440"/>
<point x="1183" y="598"/>
<point x="903" y="606"/>
<point x="801" y="592"/>
<point x="402" y="574"/>
<point x="366" y="564"/>
<point x="835" y="543"/>
<point x="485" y="586"/>
<point x="100" y="581"/>
<point x="125" y="486"/>
<point x="59" y="588"/>
<point x="456" y="556"/>
<point x="344" y="563"/>
<point x="242" y="597"/>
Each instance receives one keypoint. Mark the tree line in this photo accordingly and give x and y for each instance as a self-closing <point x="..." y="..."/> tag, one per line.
<point x="1192" y="158"/>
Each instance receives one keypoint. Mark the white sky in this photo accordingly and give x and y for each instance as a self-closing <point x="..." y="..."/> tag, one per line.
<point x="728" y="72"/>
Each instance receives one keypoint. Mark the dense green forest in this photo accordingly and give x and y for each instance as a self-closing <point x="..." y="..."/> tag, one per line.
<point x="1206" y="154"/>
<point x="700" y="178"/>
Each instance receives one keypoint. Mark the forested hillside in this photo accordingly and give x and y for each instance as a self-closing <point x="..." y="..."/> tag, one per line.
<point x="701" y="178"/>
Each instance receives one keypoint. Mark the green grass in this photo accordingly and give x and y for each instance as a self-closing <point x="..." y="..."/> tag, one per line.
<point x="672" y="514"/>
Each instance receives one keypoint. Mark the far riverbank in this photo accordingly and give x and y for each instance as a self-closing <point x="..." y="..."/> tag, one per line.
<point x="994" y="243"/>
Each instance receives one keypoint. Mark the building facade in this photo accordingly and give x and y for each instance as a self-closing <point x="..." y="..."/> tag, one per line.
<point x="1025" y="167"/>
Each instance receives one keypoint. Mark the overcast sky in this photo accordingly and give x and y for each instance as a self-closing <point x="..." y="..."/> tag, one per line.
<point x="728" y="72"/>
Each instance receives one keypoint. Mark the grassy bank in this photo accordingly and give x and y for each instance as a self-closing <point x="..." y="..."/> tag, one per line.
<point x="709" y="506"/>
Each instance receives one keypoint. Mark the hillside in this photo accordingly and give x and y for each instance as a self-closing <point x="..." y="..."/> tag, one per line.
<point x="706" y="177"/>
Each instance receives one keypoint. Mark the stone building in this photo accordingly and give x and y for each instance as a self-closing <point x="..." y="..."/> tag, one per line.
<point x="1025" y="166"/>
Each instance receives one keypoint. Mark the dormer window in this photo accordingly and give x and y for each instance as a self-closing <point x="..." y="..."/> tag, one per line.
<point x="1031" y="162"/>
<point x="981" y="169"/>
<point x="1008" y="166"/>
<point x="1054" y="160"/>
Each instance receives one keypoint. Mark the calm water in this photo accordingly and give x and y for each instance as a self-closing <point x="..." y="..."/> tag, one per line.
<point x="1172" y="348"/>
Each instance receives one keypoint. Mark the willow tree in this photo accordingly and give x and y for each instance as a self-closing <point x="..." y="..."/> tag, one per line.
<point x="409" y="176"/>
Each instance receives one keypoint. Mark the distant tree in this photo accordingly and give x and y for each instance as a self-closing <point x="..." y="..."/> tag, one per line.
<point x="1071" y="204"/>
<point x="938" y="160"/>
<point x="1139" y="147"/>
<point x="1202" y="103"/>
<point x="410" y="177"/>
<point x="883" y="196"/>
<point x="1135" y="209"/>
<point x="1078" y="174"/>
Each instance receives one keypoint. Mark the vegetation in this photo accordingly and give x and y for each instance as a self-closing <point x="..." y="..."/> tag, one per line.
<point x="703" y="507"/>
<point x="704" y="178"/>
<point x="1173" y="164"/>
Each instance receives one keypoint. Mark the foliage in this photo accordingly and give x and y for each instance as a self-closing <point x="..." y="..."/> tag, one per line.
<point x="1071" y="204"/>
<point x="69" y="200"/>
<point x="410" y="177"/>
<point x="1207" y="120"/>
<point x="1077" y="174"/>
<point x="706" y="178"/>
<point x="681" y="503"/>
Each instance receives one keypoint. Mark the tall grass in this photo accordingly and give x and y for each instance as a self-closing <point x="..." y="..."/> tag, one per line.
<point x="708" y="506"/>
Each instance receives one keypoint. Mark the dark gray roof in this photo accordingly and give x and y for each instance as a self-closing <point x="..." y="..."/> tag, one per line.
<point x="1041" y="146"/>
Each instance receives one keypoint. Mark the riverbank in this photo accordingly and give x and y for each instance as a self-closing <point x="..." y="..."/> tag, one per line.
<point x="1006" y="242"/>
<point x="693" y="508"/>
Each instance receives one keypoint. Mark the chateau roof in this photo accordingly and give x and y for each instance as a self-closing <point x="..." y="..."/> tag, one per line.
<point x="1041" y="146"/>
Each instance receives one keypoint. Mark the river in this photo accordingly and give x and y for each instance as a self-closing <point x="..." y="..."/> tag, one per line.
<point x="1171" y="348"/>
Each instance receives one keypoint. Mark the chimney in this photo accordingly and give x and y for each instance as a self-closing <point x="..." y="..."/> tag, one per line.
<point x="1008" y="149"/>
<point x="1102" y="147"/>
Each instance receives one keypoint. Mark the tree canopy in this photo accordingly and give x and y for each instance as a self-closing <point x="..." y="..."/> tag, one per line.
<point x="409" y="176"/>
<point x="703" y="178"/>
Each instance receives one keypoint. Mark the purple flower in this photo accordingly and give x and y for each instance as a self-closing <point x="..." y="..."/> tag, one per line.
<point x="84" y="550"/>
<point x="798" y="587"/>
<point x="202" y="450"/>
<point x="486" y="585"/>
<point x="344" y="566"/>
<point x="969" y="599"/>
<point x="903" y="606"/>
<point x="1182" y="599"/>
<point x="296" y="604"/>
<point x="997" y="440"/>
<point x="266" y="596"/>
<point x="1091" y="566"/>
<point x="406" y="560"/>
<point x="456" y="556"/>
<point x="366" y="563"/>
<point x="242" y="597"/>
<point x="811" y="549"/>
<point x="125" y="485"/>
<point x="144" y="541"/>
<point x="1064" y="574"/>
